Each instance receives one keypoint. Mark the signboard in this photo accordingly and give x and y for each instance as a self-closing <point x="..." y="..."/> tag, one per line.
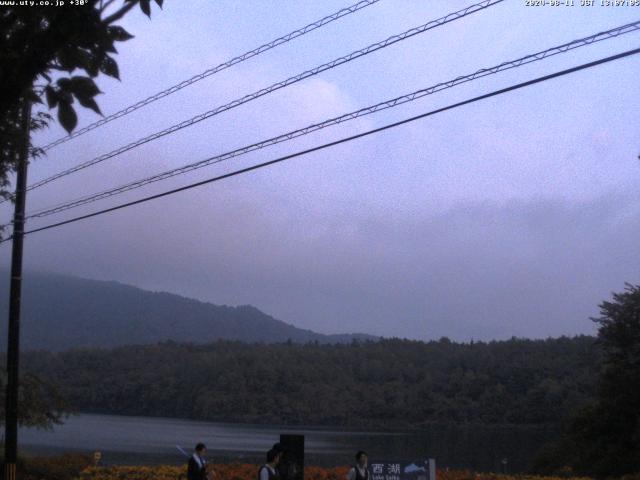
<point x="418" y="470"/>
<point x="291" y="465"/>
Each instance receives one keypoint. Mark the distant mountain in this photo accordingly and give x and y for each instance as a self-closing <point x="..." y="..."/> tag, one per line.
<point x="61" y="312"/>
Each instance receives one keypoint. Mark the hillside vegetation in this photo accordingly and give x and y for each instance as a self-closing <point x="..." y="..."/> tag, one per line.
<point x="391" y="383"/>
<point x="62" y="312"/>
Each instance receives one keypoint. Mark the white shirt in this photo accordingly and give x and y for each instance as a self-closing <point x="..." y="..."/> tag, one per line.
<point x="352" y="473"/>
<point x="264" y="475"/>
<point x="199" y="460"/>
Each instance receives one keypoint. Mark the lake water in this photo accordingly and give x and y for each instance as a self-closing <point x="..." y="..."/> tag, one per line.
<point x="143" y="440"/>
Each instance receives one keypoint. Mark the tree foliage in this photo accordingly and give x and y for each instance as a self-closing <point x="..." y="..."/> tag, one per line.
<point x="607" y="434"/>
<point x="40" y="403"/>
<point x="603" y="439"/>
<point x="52" y="55"/>
<point x="386" y="384"/>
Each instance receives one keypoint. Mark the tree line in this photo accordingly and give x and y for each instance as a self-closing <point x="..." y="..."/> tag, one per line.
<point x="386" y="384"/>
<point x="586" y="387"/>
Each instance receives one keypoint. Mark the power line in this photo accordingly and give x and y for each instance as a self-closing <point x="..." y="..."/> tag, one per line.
<point x="343" y="140"/>
<point x="212" y="71"/>
<point x="276" y="86"/>
<point x="614" y="32"/>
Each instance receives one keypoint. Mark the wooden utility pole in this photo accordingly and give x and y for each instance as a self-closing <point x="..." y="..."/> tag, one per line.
<point x="13" y="347"/>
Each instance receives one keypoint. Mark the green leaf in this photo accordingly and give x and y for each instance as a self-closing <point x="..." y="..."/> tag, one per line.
<point x="68" y="59"/>
<point x="145" y="7"/>
<point x="84" y="87"/>
<point x="51" y="96"/>
<point x="93" y="67"/>
<point x="67" y="116"/>
<point x="89" y="103"/>
<point x="159" y="2"/>
<point x="110" y="67"/>
<point x="65" y="84"/>
<point x="65" y="96"/>
<point x="40" y="120"/>
<point x="119" y="34"/>
<point x="84" y="60"/>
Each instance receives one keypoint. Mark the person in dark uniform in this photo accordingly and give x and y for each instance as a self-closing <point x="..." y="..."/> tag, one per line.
<point x="361" y="470"/>
<point x="282" y="469"/>
<point x="269" y="470"/>
<point x="197" y="466"/>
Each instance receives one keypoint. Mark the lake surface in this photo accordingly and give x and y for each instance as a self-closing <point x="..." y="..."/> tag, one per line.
<point x="144" y="440"/>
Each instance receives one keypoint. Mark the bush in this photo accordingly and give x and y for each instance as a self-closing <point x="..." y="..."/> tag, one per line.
<point x="64" y="467"/>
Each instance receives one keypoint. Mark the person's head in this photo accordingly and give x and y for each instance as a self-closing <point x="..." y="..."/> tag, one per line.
<point x="278" y="447"/>
<point x="201" y="449"/>
<point x="273" y="456"/>
<point x="361" y="458"/>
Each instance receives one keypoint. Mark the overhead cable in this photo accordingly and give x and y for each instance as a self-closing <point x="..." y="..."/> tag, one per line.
<point x="276" y="86"/>
<point x="212" y="71"/>
<point x="341" y="141"/>
<point x="612" y="33"/>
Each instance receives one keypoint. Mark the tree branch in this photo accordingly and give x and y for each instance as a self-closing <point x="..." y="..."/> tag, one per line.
<point x="120" y="13"/>
<point x="106" y="4"/>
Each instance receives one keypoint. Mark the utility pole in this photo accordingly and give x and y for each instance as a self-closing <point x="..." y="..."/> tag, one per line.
<point x="13" y="347"/>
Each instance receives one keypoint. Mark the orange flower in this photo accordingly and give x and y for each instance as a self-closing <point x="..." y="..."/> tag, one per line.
<point x="242" y="471"/>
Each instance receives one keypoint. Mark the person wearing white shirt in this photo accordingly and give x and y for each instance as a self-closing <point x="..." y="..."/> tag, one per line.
<point x="360" y="471"/>
<point x="197" y="466"/>
<point x="268" y="470"/>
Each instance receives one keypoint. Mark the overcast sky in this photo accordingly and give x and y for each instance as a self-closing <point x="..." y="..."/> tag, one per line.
<point x="514" y="216"/>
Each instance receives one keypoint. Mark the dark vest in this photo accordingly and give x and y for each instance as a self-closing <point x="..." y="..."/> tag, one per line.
<point x="358" y="475"/>
<point x="195" y="471"/>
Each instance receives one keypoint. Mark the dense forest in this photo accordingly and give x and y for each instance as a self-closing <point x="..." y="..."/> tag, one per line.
<point x="386" y="384"/>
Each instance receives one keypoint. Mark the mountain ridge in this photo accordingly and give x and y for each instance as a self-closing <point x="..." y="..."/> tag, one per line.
<point x="63" y="311"/>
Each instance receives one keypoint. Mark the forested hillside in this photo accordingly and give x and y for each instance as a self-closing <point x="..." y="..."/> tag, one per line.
<point x="392" y="383"/>
<point x="61" y="312"/>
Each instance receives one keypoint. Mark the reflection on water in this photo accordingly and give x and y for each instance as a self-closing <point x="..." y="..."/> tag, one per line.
<point x="154" y="440"/>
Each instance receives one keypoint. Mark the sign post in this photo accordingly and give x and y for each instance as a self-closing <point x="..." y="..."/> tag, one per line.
<point x="417" y="470"/>
<point x="292" y="464"/>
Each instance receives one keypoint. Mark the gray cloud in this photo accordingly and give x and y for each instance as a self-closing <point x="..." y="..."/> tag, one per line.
<point x="477" y="270"/>
<point x="486" y="222"/>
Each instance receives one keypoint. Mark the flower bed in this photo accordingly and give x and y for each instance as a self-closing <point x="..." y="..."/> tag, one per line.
<point x="236" y="471"/>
